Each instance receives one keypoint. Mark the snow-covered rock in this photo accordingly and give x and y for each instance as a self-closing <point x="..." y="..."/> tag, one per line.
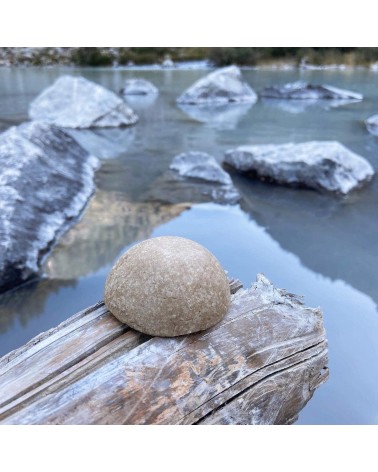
<point x="200" y="165"/>
<point x="305" y="91"/>
<point x="138" y="87"/>
<point x="75" y="102"/>
<point x="322" y="165"/>
<point x="372" y="125"/>
<point x="224" y="85"/>
<point x="46" y="179"/>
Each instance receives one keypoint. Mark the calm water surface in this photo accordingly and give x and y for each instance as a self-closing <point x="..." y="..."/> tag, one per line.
<point x="319" y="246"/>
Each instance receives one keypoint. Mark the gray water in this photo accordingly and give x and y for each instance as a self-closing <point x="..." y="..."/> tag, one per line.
<point x="319" y="246"/>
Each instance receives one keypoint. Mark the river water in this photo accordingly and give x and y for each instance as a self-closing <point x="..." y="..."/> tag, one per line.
<point x="319" y="246"/>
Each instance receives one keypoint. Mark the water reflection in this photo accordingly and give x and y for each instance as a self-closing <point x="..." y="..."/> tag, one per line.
<point x="217" y="116"/>
<point x="333" y="236"/>
<point x="110" y="224"/>
<point x="301" y="106"/>
<point x="106" y="143"/>
<point x="140" y="102"/>
<point x="172" y="188"/>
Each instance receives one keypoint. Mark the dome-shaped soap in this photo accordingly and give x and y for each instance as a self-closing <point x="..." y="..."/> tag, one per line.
<point x="168" y="286"/>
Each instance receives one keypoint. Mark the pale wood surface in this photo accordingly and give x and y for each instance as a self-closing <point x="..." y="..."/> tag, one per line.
<point x="259" y="365"/>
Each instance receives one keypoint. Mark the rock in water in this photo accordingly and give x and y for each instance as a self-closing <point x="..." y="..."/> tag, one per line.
<point x="372" y="125"/>
<point x="168" y="286"/>
<point x="138" y="87"/>
<point x="200" y="165"/>
<point x="75" y="102"/>
<point x="224" y="85"/>
<point x="304" y="91"/>
<point x="322" y="165"/>
<point x="46" y="179"/>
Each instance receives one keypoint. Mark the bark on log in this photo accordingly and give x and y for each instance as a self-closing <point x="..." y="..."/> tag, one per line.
<point x="259" y="365"/>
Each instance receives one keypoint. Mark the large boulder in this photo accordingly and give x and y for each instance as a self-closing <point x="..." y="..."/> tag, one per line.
<point x="138" y="86"/>
<point x="372" y="125"/>
<point x="75" y="102"/>
<point x="224" y="85"/>
<point x="305" y="91"/>
<point x="322" y="165"/>
<point x="46" y="180"/>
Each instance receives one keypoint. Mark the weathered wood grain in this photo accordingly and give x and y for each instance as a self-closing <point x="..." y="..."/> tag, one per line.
<point x="260" y="365"/>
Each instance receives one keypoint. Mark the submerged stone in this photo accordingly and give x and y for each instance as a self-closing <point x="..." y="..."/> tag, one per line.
<point x="372" y="125"/>
<point x="322" y="165"/>
<point x="305" y="91"/>
<point x="222" y="86"/>
<point x="75" y="102"/>
<point x="46" y="179"/>
<point x="138" y="86"/>
<point x="168" y="286"/>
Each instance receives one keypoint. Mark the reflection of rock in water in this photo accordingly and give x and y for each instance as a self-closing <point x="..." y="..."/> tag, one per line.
<point x="110" y="224"/>
<point x="217" y="116"/>
<point x="172" y="188"/>
<point x="28" y="301"/>
<point x="106" y="143"/>
<point x="300" y="106"/>
<point x="141" y="102"/>
<point x="331" y="236"/>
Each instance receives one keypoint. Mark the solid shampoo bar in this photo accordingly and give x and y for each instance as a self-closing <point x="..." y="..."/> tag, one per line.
<point x="168" y="286"/>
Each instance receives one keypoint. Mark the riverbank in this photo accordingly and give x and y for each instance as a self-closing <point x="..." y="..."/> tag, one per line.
<point x="192" y="58"/>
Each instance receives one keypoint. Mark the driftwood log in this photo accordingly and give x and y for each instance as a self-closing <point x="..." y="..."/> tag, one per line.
<point x="260" y="365"/>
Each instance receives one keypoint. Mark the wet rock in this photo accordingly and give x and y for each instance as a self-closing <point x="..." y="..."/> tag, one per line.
<point x="305" y="91"/>
<point x="372" y="125"/>
<point x="168" y="286"/>
<point x="46" y="179"/>
<point x="322" y="165"/>
<point x="75" y="102"/>
<point x="200" y="165"/>
<point x="138" y="87"/>
<point x="222" y="86"/>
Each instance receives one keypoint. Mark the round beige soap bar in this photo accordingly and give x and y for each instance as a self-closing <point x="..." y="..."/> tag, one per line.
<point x="168" y="286"/>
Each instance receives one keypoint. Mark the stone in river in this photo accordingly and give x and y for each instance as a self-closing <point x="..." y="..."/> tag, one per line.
<point x="200" y="165"/>
<point x="372" y="125"/>
<point x="201" y="174"/>
<point x="222" y="86"/>
<point x="75" y="102"/>
<point x="138" y="87"/>
<point x="168" y="286"/>
<point x="305" y="91"/>
<point x="322" y="165"/>
<point x="46" y="179"/>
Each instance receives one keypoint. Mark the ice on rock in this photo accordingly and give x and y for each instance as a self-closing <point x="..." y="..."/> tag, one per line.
<point x="322" y="165"/>
<point x="75" y="102"/>
<point x="46" y="179"/>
